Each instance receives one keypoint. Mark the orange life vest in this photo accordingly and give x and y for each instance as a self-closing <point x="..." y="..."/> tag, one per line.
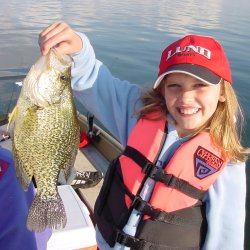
<point x="180" y="185"/>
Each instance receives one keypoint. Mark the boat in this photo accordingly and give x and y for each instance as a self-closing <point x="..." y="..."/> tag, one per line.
<point x="97" y="155"/>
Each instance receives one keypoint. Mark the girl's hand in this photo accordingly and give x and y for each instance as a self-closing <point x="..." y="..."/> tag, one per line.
<point x="62" y="37"/>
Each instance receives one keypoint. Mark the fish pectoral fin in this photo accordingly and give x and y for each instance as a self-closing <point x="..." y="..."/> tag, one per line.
<point x="12" y="116"/>
<point x="34" y="108"/>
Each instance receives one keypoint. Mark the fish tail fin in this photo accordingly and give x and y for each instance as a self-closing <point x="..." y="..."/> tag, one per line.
<point x="46" y="212"/>
<point x="12" y="116"/>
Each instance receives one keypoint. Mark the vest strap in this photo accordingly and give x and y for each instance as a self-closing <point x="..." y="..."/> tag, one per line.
<point x="160" y="215"/>
<point x="158" y="174"/>
<point x="138" y="157"/>
<point x="136" y="244"/>
<point x="170" y="180"/>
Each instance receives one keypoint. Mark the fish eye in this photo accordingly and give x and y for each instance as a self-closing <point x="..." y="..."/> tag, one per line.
<point x="63" y="78"/>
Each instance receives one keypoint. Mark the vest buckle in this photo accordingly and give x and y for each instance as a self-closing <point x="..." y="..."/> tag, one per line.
<point x="148" y="168"/>
<point x="121" y="238"/>
<point x="160" y="175"/>
<point x="136" y="202"/>
<point x="127" y="240"/>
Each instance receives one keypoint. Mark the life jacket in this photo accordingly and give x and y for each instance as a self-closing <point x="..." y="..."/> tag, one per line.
<point x="174" y="217"/>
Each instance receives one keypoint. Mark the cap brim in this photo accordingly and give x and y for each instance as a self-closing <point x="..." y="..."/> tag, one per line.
<point x="194" y="70"/>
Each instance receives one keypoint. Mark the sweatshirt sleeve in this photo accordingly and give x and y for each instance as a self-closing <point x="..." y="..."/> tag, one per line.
<point x="225" y="210"/>
<point x="111" y="100"/>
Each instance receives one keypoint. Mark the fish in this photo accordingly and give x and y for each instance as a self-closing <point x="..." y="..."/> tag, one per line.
<point x="45" y="137"/>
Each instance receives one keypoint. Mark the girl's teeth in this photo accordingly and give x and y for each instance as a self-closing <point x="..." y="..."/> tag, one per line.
<point x="189" y="111"/>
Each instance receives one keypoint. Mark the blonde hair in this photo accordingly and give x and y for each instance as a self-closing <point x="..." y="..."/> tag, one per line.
<point x="225" y="126"/>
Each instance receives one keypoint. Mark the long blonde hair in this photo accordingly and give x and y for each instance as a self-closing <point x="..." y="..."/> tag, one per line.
<point x="225" y="126"/>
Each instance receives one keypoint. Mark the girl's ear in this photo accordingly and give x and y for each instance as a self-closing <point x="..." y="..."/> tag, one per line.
<point x="222" y="97"/>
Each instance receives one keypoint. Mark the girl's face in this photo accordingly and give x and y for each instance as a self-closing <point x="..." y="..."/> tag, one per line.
<point x="190" y="101"/>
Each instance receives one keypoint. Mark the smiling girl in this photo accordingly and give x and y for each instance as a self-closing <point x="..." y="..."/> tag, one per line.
<point x="190" y="101"/>
<point x="180" y="182"/>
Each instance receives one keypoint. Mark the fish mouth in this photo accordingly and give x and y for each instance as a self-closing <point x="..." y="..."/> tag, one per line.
<point x="59" y="61"/>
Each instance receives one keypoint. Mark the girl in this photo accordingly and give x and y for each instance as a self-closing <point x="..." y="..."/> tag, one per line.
<point x="180" y="182"/>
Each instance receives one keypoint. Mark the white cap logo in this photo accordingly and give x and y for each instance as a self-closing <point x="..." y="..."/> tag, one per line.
<point x="197" y="49"/>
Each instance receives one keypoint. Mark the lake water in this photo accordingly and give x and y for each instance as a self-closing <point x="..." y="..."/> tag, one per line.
<point x="128" y="36"/>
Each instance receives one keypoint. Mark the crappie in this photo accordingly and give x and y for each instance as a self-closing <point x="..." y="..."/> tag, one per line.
<point x="45" y="136"/>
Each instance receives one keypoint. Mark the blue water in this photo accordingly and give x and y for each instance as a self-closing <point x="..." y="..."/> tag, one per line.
<point x="129" y="36"/>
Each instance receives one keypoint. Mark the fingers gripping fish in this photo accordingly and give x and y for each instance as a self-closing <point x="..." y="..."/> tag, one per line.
<point x="45" y="136"/>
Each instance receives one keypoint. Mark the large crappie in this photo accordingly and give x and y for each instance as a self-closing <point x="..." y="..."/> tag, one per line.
<point x="45" y="136"/>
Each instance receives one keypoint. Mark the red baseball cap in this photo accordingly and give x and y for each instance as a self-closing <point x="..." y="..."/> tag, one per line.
<point x="199" y="56"/>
